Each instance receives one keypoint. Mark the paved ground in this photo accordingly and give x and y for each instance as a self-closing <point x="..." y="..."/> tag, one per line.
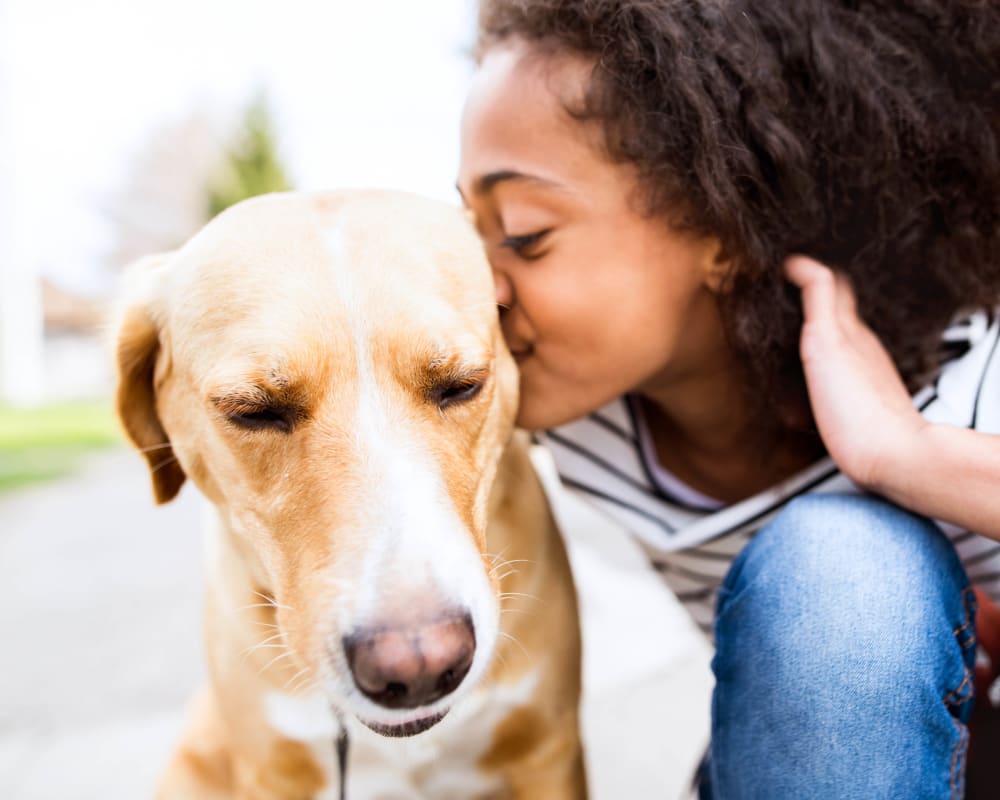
<point x="101" y="645"/>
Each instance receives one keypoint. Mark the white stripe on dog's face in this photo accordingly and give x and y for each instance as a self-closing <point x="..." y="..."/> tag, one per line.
<point x="418" y="545"/>
<point x="419" y="556"/>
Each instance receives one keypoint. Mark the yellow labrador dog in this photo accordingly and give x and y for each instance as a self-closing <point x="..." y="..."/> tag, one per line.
<point x="329" y="371"/>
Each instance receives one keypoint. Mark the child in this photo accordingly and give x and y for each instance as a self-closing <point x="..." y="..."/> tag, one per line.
<point x="644" y="175"/>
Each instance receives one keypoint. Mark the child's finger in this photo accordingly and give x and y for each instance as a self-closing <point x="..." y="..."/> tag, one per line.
<point x="847" y="305"/>
<point x="818" y="285"/>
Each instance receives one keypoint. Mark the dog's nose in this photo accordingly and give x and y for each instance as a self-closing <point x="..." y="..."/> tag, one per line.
<point x="411" y="666"/>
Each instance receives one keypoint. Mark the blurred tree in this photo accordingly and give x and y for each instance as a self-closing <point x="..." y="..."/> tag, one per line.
<point x="187" y="171"/>
<point x="253" y="166"/>
<point x="160" y="200"/>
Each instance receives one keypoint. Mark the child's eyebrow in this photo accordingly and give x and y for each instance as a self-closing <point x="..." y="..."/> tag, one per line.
<point x="486" y="183"/>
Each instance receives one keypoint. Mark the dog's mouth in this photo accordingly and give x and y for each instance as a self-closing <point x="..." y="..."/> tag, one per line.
<point x="410" y="728"/>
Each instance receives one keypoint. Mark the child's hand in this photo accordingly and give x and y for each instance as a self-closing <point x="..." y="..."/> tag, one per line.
<point x="863" y="411"/>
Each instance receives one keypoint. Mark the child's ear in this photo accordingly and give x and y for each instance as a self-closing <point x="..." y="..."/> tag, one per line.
<point x="716" y="264"/>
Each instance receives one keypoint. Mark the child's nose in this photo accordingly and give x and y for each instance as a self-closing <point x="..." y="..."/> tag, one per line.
<point x="504" y="289"/>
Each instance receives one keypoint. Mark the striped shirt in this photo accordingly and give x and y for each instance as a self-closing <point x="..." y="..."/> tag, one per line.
<point x="601" y="458"/>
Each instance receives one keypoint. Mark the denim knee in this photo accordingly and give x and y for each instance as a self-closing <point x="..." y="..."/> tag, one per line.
<point x="844" y="566"/>
<point x="845" y="642"/>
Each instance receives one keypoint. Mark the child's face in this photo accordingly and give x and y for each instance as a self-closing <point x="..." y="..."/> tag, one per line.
<point x="600" y="299"/>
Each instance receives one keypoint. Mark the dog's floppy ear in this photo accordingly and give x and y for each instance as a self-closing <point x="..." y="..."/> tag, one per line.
<point x="137" y="350"/>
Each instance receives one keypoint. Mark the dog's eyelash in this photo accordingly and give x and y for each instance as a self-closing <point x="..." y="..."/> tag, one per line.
<point x="455" y="393"/>
<point x="271" y="418"/>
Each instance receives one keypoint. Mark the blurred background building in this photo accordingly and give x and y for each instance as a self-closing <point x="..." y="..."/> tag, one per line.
<point x="125" y="125"/>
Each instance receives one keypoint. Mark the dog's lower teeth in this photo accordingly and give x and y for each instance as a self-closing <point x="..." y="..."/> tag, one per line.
<point x="407" y="728"/>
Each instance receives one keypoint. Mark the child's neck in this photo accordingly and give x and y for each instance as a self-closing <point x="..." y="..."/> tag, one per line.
<point x="715" y="450"/>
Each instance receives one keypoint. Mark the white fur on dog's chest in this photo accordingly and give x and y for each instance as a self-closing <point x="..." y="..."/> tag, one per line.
<point x="441" y="763"/>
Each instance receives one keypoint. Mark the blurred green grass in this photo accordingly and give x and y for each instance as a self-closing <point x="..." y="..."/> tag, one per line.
<point x="38" y="444"/>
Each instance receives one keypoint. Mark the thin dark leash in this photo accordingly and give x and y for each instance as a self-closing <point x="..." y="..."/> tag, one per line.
<point x="342" y="745"/>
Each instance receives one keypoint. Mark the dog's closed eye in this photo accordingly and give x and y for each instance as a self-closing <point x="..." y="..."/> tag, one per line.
<point x="449" y="394"/>
<point x="271" y="417"/>
<point x="449" y="382"/>
<point x="254" y="409"/>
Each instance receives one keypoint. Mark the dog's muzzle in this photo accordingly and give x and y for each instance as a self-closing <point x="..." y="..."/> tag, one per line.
<point x="410" y="666"/>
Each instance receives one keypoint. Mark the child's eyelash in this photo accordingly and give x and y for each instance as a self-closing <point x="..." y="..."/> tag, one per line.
<point x="520" y="243"/>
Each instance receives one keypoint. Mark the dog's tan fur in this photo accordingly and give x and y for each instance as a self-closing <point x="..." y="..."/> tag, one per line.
<point x="271" y="305"/>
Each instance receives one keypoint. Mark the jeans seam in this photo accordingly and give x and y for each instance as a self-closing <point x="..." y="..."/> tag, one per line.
<point x="965" y="689"/>
<point x="957" y="779"/>
<point x="961" y="695"/>
<point x="968" y="602"/>
<point x="961" y="692"/>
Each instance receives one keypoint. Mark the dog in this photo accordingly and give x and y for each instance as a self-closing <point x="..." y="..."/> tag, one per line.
<point x="329" y="371"/>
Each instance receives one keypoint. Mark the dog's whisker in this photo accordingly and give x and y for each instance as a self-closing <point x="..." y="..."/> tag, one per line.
<point x="501" y="578"/>
<point x="164" y="463"/>
<point x="271" y="601"/>
<point x="509" y="602"/>
<point x="505" y="595"/>
<point x="265" y="605"/>
<point x="304" y="688"/>
<point x="513" y="639"/>
<point x="510" y="561"/>
<point x="305" y="684"/>
<point x="293" y="679"/>
<point x="264" y="644"/>
<point x="152" y="447"/>
<point x="301" y="685"/>
<point x="263" y="647"/>
<point x="528" y="611"/>
<point x="275" y="660"/>
<point x="508" y="566"/>
<point x="251" y="650"/>
<point x="495" y="558"/>
<point x="503" y="659"/>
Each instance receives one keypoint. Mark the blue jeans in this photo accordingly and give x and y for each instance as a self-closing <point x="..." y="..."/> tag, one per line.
<point x="845" y="647"/>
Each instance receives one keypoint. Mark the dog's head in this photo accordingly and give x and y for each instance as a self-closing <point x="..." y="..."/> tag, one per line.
<point x="329" y="371"/>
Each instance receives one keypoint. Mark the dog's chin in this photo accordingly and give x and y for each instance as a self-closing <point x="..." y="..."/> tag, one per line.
<point x="410" y="728"/>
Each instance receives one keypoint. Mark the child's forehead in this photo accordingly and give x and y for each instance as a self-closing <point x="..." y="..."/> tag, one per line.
<point x="519" y="70"/>
<point x="518" y="117"/>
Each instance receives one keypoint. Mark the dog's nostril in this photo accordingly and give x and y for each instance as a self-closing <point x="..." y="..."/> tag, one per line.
<point x="449" y="681"/>
<point x="413" y="666"/>
<point x="395" y="690"/>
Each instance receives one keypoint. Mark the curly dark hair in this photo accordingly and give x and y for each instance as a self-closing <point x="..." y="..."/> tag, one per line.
<point x="865" y="133"/>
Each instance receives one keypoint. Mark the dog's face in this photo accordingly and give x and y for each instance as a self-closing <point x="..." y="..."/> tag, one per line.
<point x="329" y="370"/>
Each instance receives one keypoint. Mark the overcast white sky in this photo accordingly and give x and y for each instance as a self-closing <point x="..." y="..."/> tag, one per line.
<point x="365" y="93"/>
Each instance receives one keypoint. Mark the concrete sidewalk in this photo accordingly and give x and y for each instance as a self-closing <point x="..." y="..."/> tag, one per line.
<point x="102" y="644"/>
